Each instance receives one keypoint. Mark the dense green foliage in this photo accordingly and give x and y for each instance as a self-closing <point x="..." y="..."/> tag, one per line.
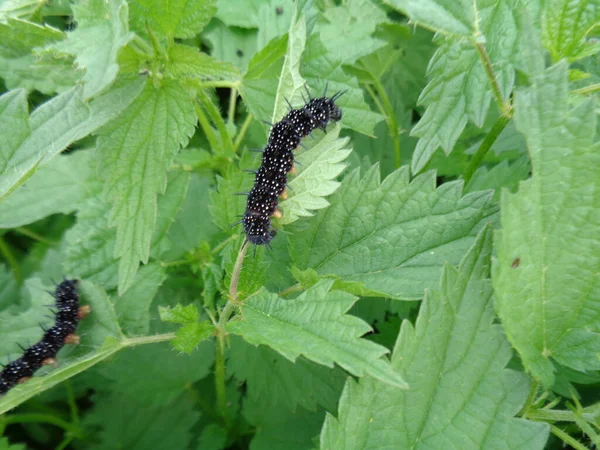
<point x="435" y="278"/>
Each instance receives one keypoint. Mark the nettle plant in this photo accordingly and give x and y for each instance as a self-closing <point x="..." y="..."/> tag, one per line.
<point x="432" y="273"/>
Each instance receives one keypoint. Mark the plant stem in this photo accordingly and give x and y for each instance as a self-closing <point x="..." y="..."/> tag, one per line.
<point x="215" y="115"/>
<point x="72" y="403"/>
<point x="553" y="415"/>
<point x="290" y="290"/>
<point x="31" y="234"/>
<point x="220" y="379"/>
<point x="485" y="146"/>
<point x="221" y="333"/>
<point x="390" y="118"/>
<point x="207" y="128"/>
<point x="503" y="105"/>
<point x="41" y="418"/>
<point x="530" y="398"/>
<point x="217" y="84"/>
<point x="242" y="132"/>
<point x="12" y="261"/>
<point x="588" y="89"/>
<point x="175" y="263"/>
<point x="232" y="102"/>
<point x="567" y="439"/>
<point x="130" y="342"/>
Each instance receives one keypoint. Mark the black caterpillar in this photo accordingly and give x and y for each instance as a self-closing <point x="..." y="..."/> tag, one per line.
<point x="43" y="353"/>
<point x="278" y="160"/>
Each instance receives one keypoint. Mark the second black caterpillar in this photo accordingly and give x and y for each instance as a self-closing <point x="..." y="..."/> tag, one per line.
<point x="278" y="160"/>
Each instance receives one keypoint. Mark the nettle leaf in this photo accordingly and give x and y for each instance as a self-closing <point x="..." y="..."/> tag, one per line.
<point x="133" y="307"/>
<point x="19" y="8"/>
<point x="192" y="332"/>
<point x="347" y="32"/>
<point x="290" y="80"/>
<point x="447" y="16"/>
<point x="232" y="44"/>
<point x="59" y="187"/>
<point x="548" y="290"/>
<point x="565" y="26"/>
<point x="320" y="69"/>
<point x="188" y="62"/>
<point x="6" y="445"/>
<point x="29" y="142"/>
<point x="318" y="166"/>
<point x="101" y="31"/>
<point x="137" y="150"/>
<point x="89" y="244"/>
<point x="395" y="236"/>
<point x="135" y="372"/>
<point x="125" y="422"/>
<point x="272" y="381"/>
<point x="22" y="64"/>
<point x="278" y="429"/>
<point x="173" y="19"/>
<point x="459" y="90"/>
<point x="454" y="358"/>
<point x="503" y="175"/>
<point x="314" y="325"/>
<point x="100" y="338"/>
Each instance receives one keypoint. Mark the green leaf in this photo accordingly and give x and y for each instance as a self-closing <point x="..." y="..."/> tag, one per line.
<point x="240" y="14"/>
<point x="137" y="150"/>
<point x="24" y="64"/>
<point x="459" y="90"/>
<point x="446" y="16"/>
<point x="213" y="437"/>
<point x="548" y="291"/>
<point x="19" y="8"/>
<point x="135" y="372"/>
<point x="231" y="44"/>
<point x="318" y="66"/>
<point x="59" y="187"/>
<point x="31" y="142"/>
<point x="393" y="236"/>
<point x="565" y="25"/>
<point x="347" y="32"/>
<point x="272" y="381"/>
<point x="5" y="445"/>
<point x="188" y="62"/>
<point x="190" y="335"/>
<point x="278" y="429"/>
<point x="226" y="203"/>
<point x="314" y="325"/>
<point x="89" y="245"/>
<point x="124" y="422"/>
<point x="259" y="83"/>
<point x="101" y="31"/>
<point x="454" y="360"/>
<point x="100" y="338"/>
<point x="318" y="167"/>
<point x="133" y="307"/>
<point x="173" y="19"/>
<point x="290" y="81"/>
<point x="503" y="175"/>
<point x="179" y="314"/>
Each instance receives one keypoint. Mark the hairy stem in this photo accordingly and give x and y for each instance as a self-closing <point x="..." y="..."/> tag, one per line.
<point x="553" y="415"/>
<point x="207" y="128"/>
<point x="130" y="342"/>
<point x="567" y="439"/>
<point x="485" y="146"/>
<point x="503" y="105"/>
<point x="221" y="333"/>
<point x="33" y="235"/>
<point x="232" y="102"/>
<point x="242" y="132"/>
<point x="215" y="116"/>
<point x="12" y="261"/>
<point x="42" y="418"/>
<point x="588" y="89"/>
<point x="217" y="84"/>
